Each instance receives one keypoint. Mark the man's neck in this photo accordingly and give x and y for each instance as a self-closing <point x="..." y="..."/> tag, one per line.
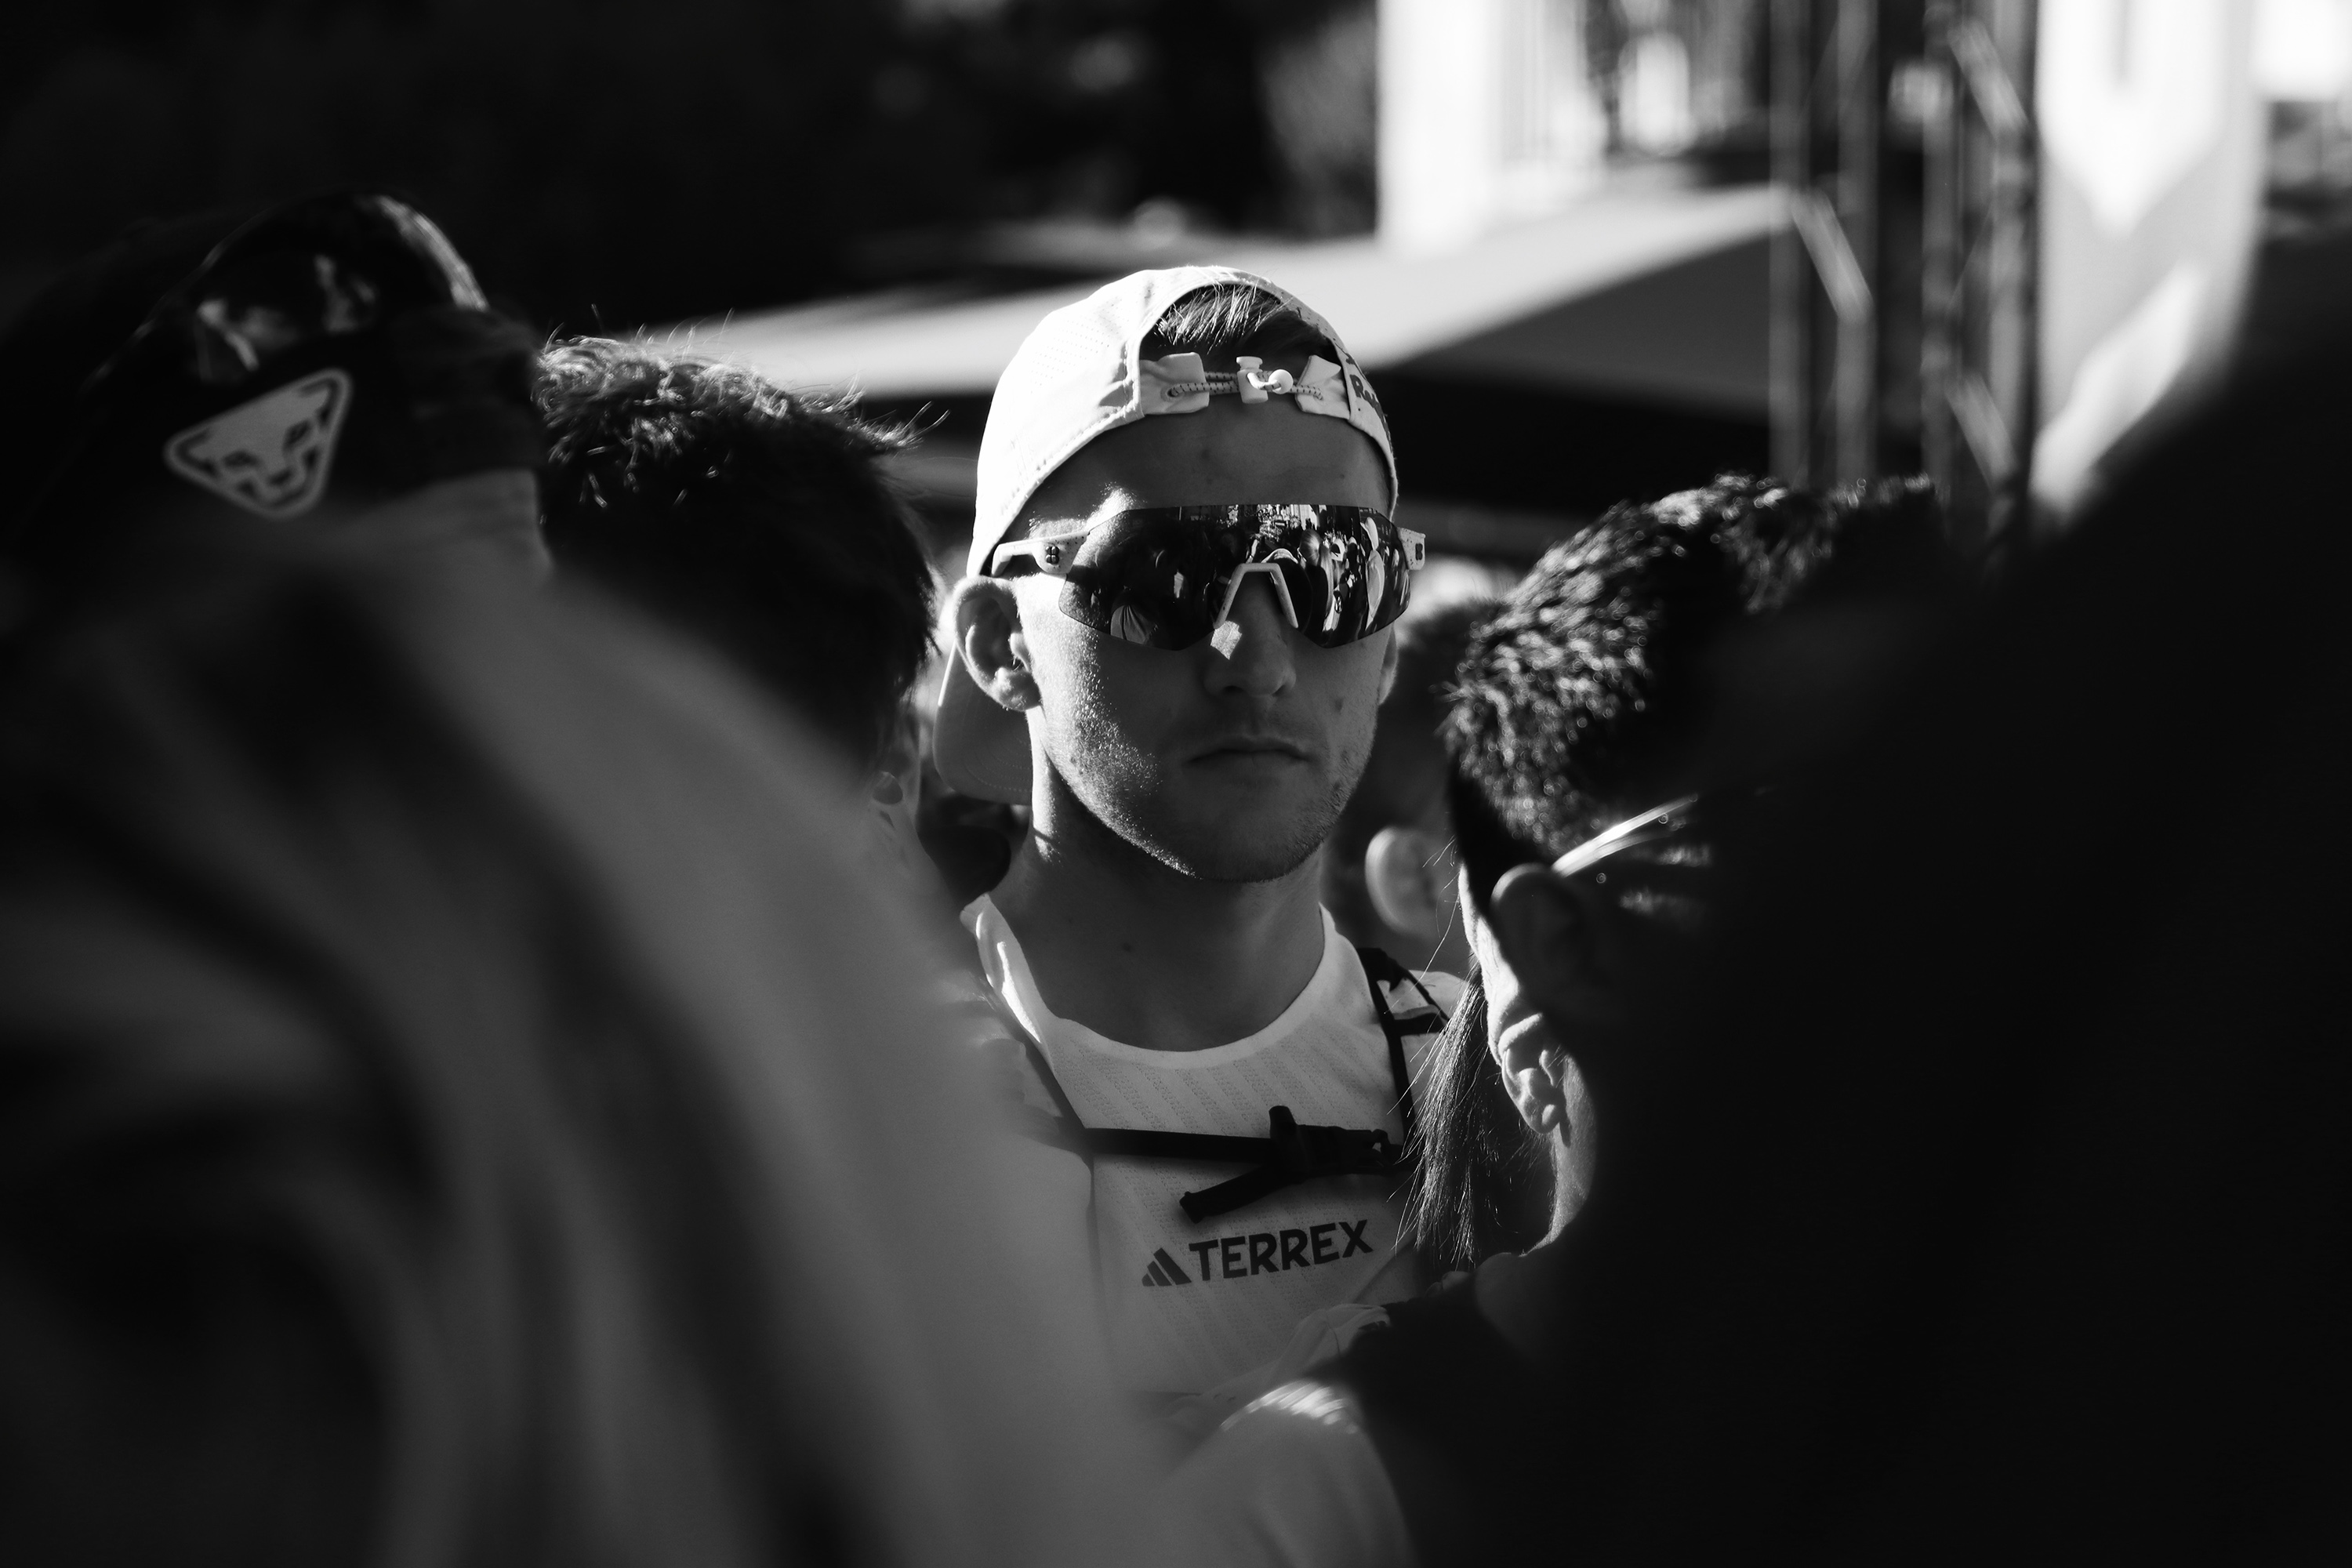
<point x="1148" y="956"/>
<point x="1522" y="1297"/>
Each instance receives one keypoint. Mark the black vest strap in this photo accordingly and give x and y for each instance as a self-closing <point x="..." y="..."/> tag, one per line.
<point x="1290" y="1153"/>
<point x="1384" y="972"/>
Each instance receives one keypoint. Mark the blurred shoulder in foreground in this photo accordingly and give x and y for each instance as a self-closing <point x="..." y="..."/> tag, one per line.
<point x="1995" y="1188"/>
<point x="455" y="1103"/>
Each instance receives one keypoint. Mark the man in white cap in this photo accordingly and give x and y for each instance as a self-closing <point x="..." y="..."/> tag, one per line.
<point x="1174" y="636"/>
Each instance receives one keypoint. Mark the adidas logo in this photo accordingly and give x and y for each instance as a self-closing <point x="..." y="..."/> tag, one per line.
<point x="1164" y="1270"/>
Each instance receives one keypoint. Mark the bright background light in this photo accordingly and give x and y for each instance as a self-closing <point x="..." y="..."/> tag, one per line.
<point x="2303" y="49"/>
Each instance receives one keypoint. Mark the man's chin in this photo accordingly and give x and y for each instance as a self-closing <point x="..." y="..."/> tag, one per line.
<point x="1243" y="851"/>
<point x="1250" y="836"/>
<point x="1220" y="835"/>
<point x="1240" y="868"/>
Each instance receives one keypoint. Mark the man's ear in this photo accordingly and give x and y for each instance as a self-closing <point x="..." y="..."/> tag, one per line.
<point x="988" y="639"/>
<point x="1549" y="927"/>
<point x="1538" y="1075"/>
<point x="1389" y="666"/>
<point x="1410" y="873"/>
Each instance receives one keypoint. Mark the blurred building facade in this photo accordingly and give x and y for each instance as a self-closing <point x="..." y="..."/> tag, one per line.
<point x="2020" y="232"/>
<point x="1494" y="111"/>
<point x="1489" y="113"/>
<point x="1565" y="300"/>
<point x="1523" y="205"/>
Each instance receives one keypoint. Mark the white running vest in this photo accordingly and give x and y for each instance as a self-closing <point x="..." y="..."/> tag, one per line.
<point x="1186" y="1305"/>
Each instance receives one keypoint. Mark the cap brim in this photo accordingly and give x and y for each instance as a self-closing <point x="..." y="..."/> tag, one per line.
<point x="981" y="750"/>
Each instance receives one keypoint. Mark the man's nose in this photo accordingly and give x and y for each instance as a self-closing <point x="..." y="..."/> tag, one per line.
<point x="1259" y="664"/>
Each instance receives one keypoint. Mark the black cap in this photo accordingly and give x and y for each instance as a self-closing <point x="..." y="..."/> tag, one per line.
<point x="119" y="427"/>
<point x="72" y="326"/>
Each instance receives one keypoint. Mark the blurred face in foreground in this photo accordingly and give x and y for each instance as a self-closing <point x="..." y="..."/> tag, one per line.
<point x="1227" y="766"/>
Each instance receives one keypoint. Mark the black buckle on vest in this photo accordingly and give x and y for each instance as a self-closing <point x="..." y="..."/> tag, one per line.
<point x="1296" y="1155"/>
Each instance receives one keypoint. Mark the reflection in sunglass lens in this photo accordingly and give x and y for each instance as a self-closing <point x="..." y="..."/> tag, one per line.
<point x="1150" y="579"/>
<point x="1158" y="577"/>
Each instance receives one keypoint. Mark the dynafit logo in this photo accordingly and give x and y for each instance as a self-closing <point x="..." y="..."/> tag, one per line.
<point x="271" y="456"/>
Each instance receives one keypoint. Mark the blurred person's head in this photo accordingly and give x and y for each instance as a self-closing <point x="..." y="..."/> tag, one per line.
<point x="1177" y="621"/>
<point x="1389" y="874"/>
<point x="1623" y="671"/>
<point x="754" y="518"/>
<point x="424" y="1129"/>
<point x="1680" y="654"/>
<point x="326" y="366"/>
<point x="1989" y="1183"/>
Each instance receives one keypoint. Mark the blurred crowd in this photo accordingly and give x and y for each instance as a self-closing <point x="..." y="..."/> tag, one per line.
<point x="570" y="1001"/>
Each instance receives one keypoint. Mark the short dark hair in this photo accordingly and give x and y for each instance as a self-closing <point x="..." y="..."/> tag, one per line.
<point x="1583" y="696"/>
<point x="1228" y="319"/>
<point x="754" y="517"/>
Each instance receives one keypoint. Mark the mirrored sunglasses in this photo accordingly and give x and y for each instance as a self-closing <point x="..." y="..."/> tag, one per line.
<point x="1165" y="577"/>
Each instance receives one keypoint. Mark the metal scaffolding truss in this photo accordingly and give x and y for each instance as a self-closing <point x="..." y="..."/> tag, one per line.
<point x="1828" y="92"/>
<point x="1903" y="282"/>
<point x="1979" y="256"/>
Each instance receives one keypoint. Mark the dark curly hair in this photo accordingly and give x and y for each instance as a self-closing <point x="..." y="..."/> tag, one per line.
<point x="1583" y="695"/>
<point x="754" y="517"/>
<point x="1586" y="695"/>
